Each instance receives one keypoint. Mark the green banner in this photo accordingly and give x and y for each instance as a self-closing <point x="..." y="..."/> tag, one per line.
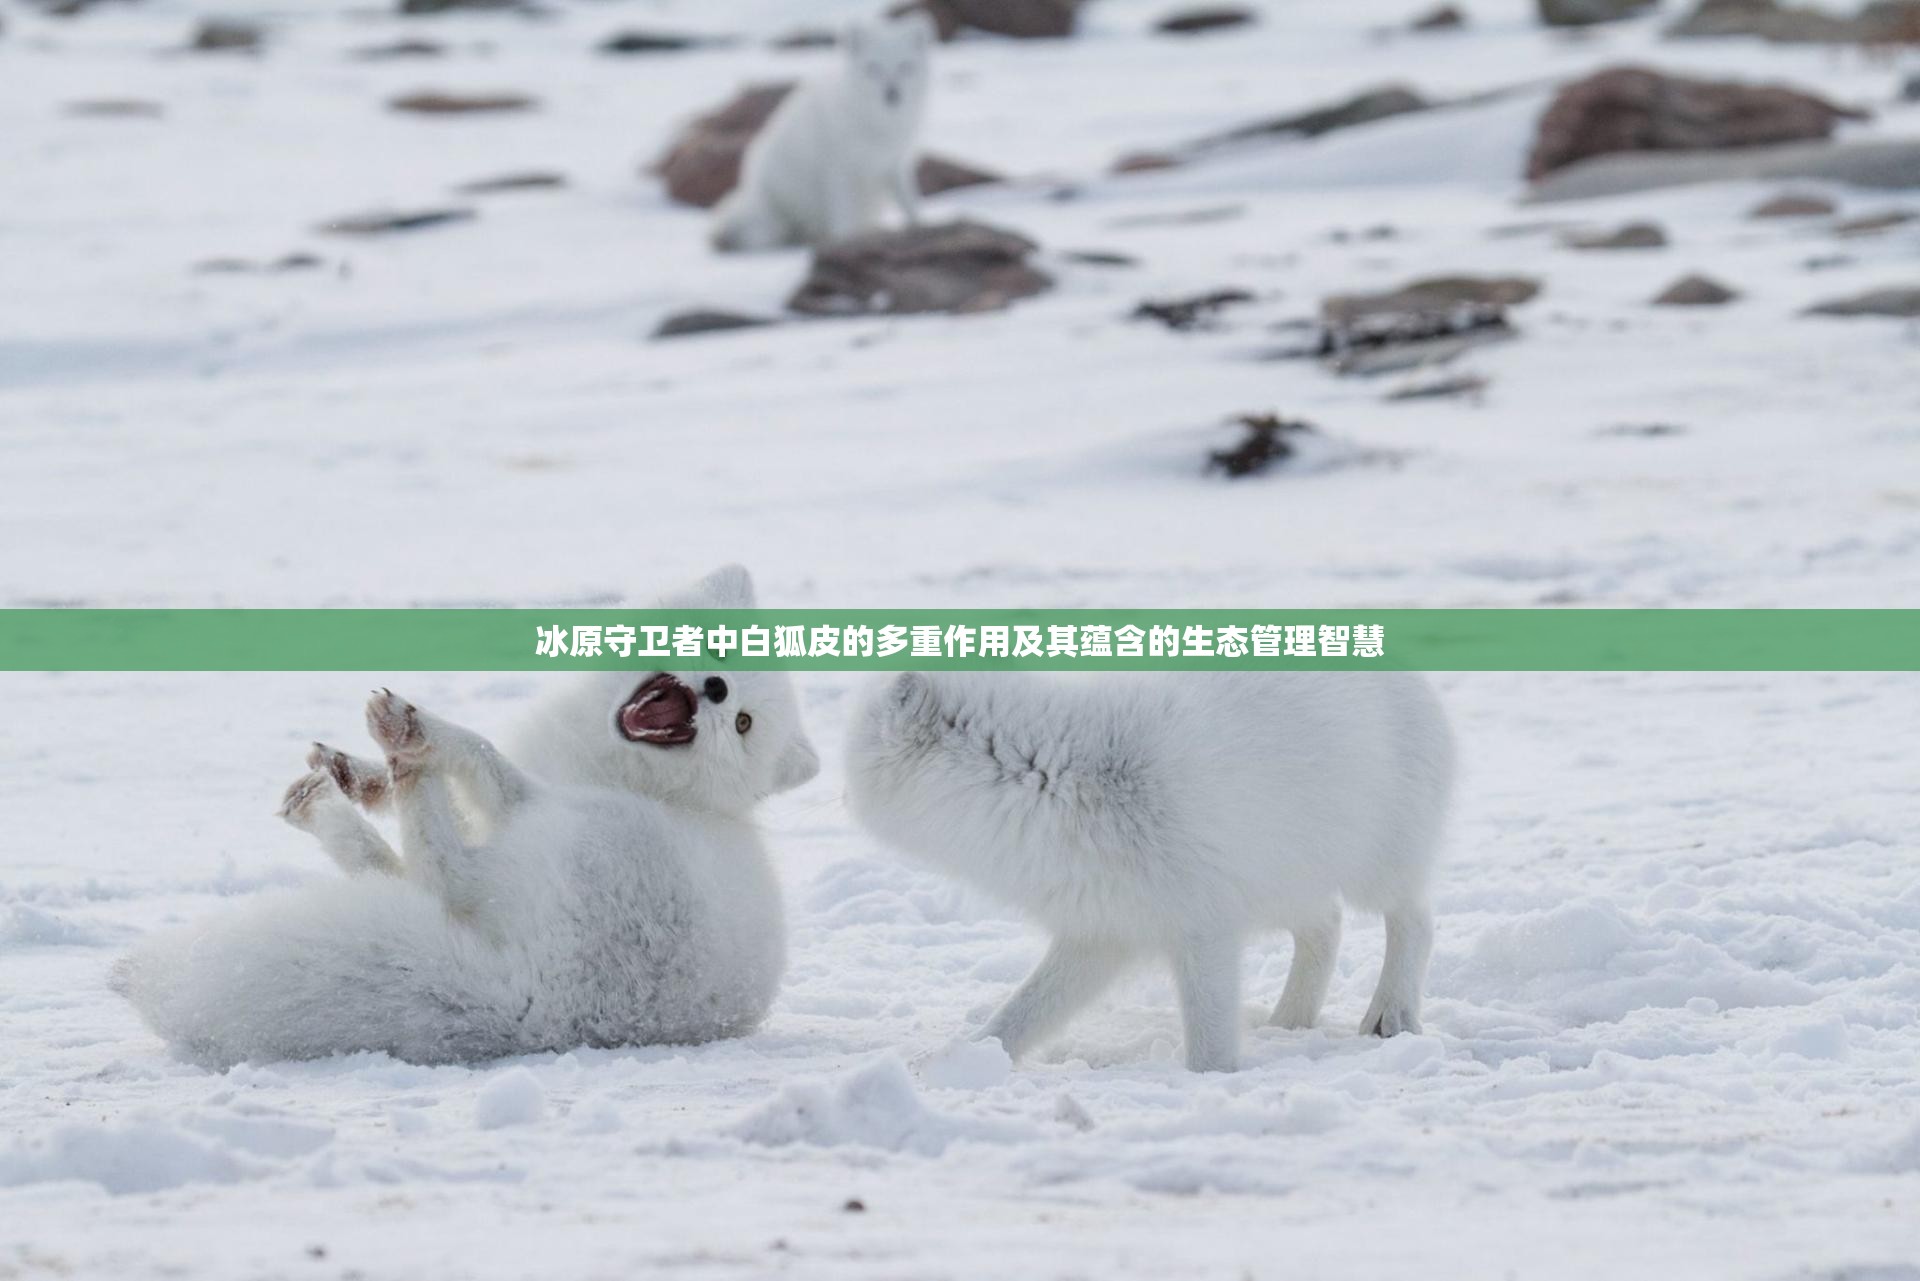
<point x="398" y="640"/>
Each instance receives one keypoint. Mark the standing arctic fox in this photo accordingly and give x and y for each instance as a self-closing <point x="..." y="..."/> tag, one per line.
<point x="1172" y="815"/>
<point x="836" y="148"/>
<point x="613" y="892"/>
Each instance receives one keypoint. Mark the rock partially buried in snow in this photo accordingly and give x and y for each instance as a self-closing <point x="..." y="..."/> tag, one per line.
<point x="226" y="35"/>
<point x="1880" y="163"/>
<point x="532" y="180"/>
<point x="703" y="163"/>
<point x="1793" y="204"/>
<point x="1888" y="22"/>
<point x="1196" y="311"/>
<point x="1626" y="109"/>
<point x="1695" y="291"/>
<point x="958" y="267"/>
<point x="1431" y="296"/>
<point x="1445" y="18"/>
<point x="684" y="324"/>
<point x="512" y="1098"/>
<point x="1363" y="108"/>
<point x="1632" y="235"/>
<point x="1587" y="13"/>
<point x="435" y="102"/>
<point x="1022" y="19"/>
<point x="1266" y="442"/>
<point x="1210" y="18"/>
<point x="1874" y="224"/>
<point x="383" y="223"/>
<point x="633" y="42"/>
<point x="1900" y="301"/>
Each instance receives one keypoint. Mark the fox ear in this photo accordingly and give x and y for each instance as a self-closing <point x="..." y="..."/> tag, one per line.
<point x="797" y="764"/>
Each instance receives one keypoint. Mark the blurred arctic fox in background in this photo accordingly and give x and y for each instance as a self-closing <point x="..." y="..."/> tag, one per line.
<point x="836" y="148"/>
<point x="1171" y="815"/>
<point x="614" y="893"/>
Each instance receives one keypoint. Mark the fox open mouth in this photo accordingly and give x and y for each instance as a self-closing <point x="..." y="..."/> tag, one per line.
<point x="660" y="712"/>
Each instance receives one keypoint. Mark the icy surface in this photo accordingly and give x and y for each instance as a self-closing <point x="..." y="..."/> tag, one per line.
<point x="1674" y="1013"/>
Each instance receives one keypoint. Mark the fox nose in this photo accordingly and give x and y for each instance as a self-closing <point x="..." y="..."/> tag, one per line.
<point x="715" y="690"/>
<point x="893" y="95"/>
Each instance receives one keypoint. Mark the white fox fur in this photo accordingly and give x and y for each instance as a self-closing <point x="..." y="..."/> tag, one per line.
<point x="1171" y="815"/>
<point x="837" y="148"/>
<point x="614" y="892"/>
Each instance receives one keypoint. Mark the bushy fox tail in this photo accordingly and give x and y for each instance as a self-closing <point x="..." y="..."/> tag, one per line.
<point x="367" y="963"/>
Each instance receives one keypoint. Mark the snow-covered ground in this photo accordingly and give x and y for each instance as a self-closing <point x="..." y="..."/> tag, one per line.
<point x="1674" y="1019"/>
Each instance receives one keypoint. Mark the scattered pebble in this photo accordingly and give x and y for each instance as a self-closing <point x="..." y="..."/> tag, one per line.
<point x="1445" y="18"/>
<point x="1264" y="444"/>
<point x="1695" y="291"/>
<point x="226" y="35"/>
<point x="1899" y="301"/>
<point x="1633" y="235"/>
<point x="439" y="103"/>
<point x="116" y="109"/>
<point x="1211" y="18"/>
<point x="1194" y="312"/>
<point x="531" y="180"/>
<point x="1146" y="162"/>
<point x="1873" y="224"/>
<point x="382" y="223"/>
<point x="1793" y="204"/>
<point x="397" y="49"/>
<point x="1441" y="386"/>
<point x="706" y="321"/>
<point x="630" y="42"/>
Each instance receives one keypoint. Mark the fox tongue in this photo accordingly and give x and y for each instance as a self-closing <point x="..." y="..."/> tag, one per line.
<point x="655" y="712"/>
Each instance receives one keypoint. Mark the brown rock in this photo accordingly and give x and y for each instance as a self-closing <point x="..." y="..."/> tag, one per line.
<point x="1361" y="109"/>
<point x="226" y="35"/>
<point x="400" y="49"/>
<point x="1263" y="444"/>
<point x="1695" y="291"/>
<point x="629" y="42"/>
<point x="1634" y="109"/>
<point x="1022" y="19"/>
<point x="1433" y="296"/>
<point x="806" y="38"/>
<point x="1445" y="18"/>
<point x="1632" y="235"/>
<point x="1793" y="204"/>
<point x="1146" y="162"/>
<point x="1588" y="13"/>
<point x="935" y="174"/>
<point x="1210" y="18"/>
<point x="1900" y="302"/>
<point x="437" y="103"/>
<point x="706" y="320"/>
<point x="1872" y="224"/>
<point x="416" y="8"/>
<point x="1881" y="22"/>
<point x="703" y="164"/>
<point x="959" y="267"/>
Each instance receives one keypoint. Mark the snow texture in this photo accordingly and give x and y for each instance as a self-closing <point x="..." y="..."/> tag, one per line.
<point x="1674" y="1010"/>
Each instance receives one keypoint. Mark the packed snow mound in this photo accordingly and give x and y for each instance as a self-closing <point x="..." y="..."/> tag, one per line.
<point x="873" y="1106"/>
<point x="515" y="1097"/>
<point x="141" y="1156"/>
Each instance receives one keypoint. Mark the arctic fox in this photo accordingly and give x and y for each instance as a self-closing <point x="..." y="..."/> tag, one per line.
<point x="1171" y="815"/>
<point x="836" y="147"/>
<point x="612" y="892"/>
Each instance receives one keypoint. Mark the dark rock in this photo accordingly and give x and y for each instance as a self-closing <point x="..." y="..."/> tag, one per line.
<point x="807" y="38"/>
<point x="1632" y="235"/>
<point x="1900" y="301"/>
<point x="935" y="174"/>
<point x="1634" y="109"/>
<point x="1264" y="444"/>
<point x="437" y="103"/>
<point x="958" y="267"/>
<point x="1793" y="204"/>
<point x="1435" y="297"/>
<point x="382" y="223"/>
<point x="532" y="180"/>
<point x="855" y="1205"/>
<point x="706" y="321"/>
<point x="1210" y="18"/>
<point x="1363" y="108"/>
<point x="116" y="109"/>
<point x="624" y="42"/>
<point x="1444" y="386"/>
<point x="1100" y="258"/>
<point x="1873" y="224"/>
<point x="1022" y="19"/>
<point x="400" y="49"/>
<point x="1194" y="312"/>
<point x="1587" y="13"/>
<point x="1695" y="291"/>
<point x="418" y="8"/>
<point x="1885" y="22"/>
<point x="226" y="35"/>
<point x="1910" y="88"/>
<point x="1146" y="162"/>
<point x="703" y="163"/>
<point x="1446" y="18"/>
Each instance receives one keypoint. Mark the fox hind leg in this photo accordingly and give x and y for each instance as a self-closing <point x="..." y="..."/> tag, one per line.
<point x="1315" y="948"/>
<point x="315" y="804"/>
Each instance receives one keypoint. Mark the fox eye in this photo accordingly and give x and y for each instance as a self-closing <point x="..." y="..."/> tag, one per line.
<point x="743" y="722"/>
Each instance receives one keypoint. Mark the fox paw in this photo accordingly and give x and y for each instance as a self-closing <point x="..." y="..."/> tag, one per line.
<point x="362" y="782"/>
<point x="308" y="792"/>
<point x="1390" y="1019"/>
<point x="395" y="725"/>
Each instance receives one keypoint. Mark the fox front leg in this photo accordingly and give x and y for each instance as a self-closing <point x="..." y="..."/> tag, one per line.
<point x="317" y="805"/>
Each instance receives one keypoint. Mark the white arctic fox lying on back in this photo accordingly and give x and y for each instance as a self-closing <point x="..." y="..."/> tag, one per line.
<point x="615" y="894"/>
<point x="836" y="148"/>
<point x="1171" y="815"/>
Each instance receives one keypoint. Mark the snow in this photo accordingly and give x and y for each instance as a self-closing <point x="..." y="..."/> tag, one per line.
<point x="1675" y="1001"/>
